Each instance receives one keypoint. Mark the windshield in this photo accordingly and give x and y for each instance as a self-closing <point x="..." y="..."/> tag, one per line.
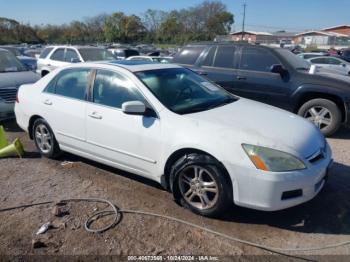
<point x="96" y="54"/>
<point x="9" y="63"/>
<point x="183" y="91"/>
<point x="295" y="61"/>
<point x="13" y="50"/>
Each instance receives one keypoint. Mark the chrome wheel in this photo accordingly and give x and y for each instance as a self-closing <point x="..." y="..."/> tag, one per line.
<point x="320" y="116"/>
<point x="198" y="187"/>
<point x="43" y="138"/>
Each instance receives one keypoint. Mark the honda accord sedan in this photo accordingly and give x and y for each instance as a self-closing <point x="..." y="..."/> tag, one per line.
<point x="169" y="124"/>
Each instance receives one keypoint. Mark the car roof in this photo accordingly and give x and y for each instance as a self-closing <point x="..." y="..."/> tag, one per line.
<point x="74" y="46"/>
<point x="135" y="65"/>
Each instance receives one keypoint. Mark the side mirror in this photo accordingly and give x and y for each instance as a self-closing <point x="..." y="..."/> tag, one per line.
<point x="75" y="60"/>
<point x="277" y="69"/>
<point x="134" y="108"/>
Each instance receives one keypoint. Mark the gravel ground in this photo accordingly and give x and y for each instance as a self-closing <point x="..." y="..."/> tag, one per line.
<point x="324" y="220"/>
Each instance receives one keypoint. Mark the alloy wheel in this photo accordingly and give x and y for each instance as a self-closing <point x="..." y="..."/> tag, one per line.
<point x="43" y="138"/>
<point x="320" y="116"/>
<point x="198" y="187"/>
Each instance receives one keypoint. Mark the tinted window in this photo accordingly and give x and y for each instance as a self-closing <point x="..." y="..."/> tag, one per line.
<point x="257" y="59"/>
<point x="188" y="55"/>
<point x="334" y="61"/>
<point x="112" y="89"/>
<point x="310" y="56"/>
<point x="129" y="53"/>
<point x="70" y="55"/>
<point x="95" y="54"/>
<point x="45" y="52"/>
<point x="320" y="60"/>
<point x="73" y="83"/>
<point x="58" y="55"/>
<point x="10" y="63"/>
<point x="208" y="61"/>
<point x="224" y="56"/>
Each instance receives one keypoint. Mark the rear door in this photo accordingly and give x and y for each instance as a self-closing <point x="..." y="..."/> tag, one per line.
<point x="64" y="101"/>
<point x="57" y="59"/>
<point x="219" y="65"/>
<point x="255" y="80"/>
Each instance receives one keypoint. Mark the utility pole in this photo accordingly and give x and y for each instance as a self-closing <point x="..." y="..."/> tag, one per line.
<point x="243" y="24"/>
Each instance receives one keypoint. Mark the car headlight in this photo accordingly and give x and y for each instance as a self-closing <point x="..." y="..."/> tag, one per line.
<point x="272" y="160"/>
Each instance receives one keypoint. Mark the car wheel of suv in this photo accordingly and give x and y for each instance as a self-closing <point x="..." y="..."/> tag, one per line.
<point x="45" y="140"/>
<point x="200" y="185"/>
<point x="325" y="114"/>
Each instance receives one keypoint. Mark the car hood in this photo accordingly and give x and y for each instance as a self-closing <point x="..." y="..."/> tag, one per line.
<point x="247" y="121"/>
<point x="15" y="79"/>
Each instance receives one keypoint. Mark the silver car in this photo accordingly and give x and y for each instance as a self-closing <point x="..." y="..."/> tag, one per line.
<point x="12" y="75"/>
<point x="332" y="64"/>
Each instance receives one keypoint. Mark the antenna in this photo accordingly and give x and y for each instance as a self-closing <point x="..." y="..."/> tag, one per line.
<point x="243" y="24"/>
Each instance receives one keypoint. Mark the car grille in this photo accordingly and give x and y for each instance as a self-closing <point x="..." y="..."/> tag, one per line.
<point x="8" y="94"/>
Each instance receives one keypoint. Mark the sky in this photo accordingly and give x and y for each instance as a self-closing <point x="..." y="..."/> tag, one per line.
<point x="262" y="15"/>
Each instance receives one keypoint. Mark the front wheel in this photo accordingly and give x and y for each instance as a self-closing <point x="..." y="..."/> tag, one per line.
<point x="45" y="140"/>
<point x="324" y="113"/>
<point x="201" y="185"/>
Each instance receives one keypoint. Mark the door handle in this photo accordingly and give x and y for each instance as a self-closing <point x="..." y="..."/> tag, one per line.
<point x="241" y="78"/>
<point x="47" y="102"/>
<point x="203" y="73"/>
<point x="95" y="115"/>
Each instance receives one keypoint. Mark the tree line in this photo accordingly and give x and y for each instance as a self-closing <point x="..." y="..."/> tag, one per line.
<point x="198" y="23"/>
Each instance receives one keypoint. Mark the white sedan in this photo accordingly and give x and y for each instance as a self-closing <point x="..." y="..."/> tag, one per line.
<point x="166" y="123"/>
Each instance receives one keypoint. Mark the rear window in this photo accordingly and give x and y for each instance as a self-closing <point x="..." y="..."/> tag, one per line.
<point x="189" y="55"/>
<point x="45" y="52"/>
<point x="96" y="54"/>
<point x="129" y="53"/>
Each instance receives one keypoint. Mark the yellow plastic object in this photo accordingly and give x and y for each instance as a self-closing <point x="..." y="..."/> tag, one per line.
<point x="16" y="148"/>
<point x="3" y="140"/>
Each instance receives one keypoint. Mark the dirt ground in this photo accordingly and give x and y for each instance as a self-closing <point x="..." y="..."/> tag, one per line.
<point x="322" y="221"/>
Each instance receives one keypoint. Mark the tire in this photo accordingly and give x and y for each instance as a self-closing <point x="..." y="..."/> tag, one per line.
<point x="48" y="146"/>
<point x="188" y="175"/>
<point x="314" y="110"/>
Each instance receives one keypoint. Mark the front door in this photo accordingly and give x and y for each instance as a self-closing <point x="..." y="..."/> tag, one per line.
<point x="255" y="80"/>
<point x="129" y="142"/>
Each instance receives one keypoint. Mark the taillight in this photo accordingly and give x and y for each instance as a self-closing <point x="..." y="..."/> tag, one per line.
<point x="17" y="100"/>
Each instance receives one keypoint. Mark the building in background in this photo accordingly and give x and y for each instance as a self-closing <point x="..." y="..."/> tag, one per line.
<point x="332" y="36"/>
<point x="280" y="37"/>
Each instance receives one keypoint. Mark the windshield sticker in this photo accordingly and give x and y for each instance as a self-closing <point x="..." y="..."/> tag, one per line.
<point x="11" y="69"/>
<point x="210" y="86"/>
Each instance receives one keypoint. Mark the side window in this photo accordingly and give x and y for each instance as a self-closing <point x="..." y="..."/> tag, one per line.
<point x="320" y="60"/>
<point x="45" y="52"/>
<point x="58" y="55"/>
<point x="189" y="55"/>
<point x="73" y="83"/>
<point x="112" y="89"/>
<point x="208" y="61"/>
<point x="257" y="59"/>
<point x="224" y="57"/>
<point x="70" y="55"/>
<point x="334" y="61"/>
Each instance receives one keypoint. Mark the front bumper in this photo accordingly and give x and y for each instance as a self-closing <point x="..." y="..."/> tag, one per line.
<point x="269" y="191"/>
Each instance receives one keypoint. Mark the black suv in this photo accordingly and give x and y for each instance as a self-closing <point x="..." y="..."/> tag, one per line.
<point x="274" y="76"/>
